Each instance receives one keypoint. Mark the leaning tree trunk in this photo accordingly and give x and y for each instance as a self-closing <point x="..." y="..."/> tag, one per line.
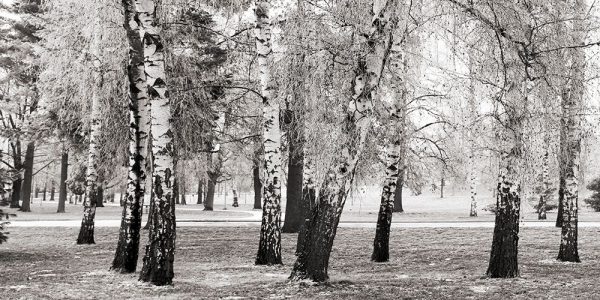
<point x="572" y="121"/>
<point x="64" y="167"/>
<point x="269" y="249"/>
<point x="393" y="151"/>
<point x="160" y="251"/>
<point x="126" y="253"/>
<point x="28" y="177"/>
<point x="86" y="232"/>
<point x="313" y="259"/>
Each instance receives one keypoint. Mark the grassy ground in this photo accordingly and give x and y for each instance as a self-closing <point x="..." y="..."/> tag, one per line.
<point x="44" y="263"/>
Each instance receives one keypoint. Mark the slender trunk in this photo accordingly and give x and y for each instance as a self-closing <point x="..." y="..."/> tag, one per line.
<point x="44" y="191"/>
<point x="52" y="190"/>
<point x="546" y="185"/>
<point x="160" y="251"/>
<point x="269" y="249"/>
<point x="28" y="179"/>
<point x="313" y="259"/>
<point x="442" y="183"/>
<point x="235" y="199"/>
<point x="199" y="201"/>
<point x="62" y="196"/>
<point x="176" y="190"/>
<point x="86" y="232"/>
<point x="571" y="110"/>
<point x="36" y="192"/>
<point x="257" y="184"/>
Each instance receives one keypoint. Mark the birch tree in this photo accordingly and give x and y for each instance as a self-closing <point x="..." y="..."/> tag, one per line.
<point x="160" y="251"/>
<point x="86" y="231"/>
<point x="571" y="105"/>
<point x="126" y="255"/>
<point x="269" y="248"/>
<point x="313" y="258"/>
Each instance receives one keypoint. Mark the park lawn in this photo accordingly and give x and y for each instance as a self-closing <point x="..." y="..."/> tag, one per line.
<point x="442" y="263"/>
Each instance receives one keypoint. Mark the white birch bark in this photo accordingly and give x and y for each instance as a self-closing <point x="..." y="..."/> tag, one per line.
<point x="471" y="131"/>
<point x="160" y="251"/>
<point x="269" y="251"/>
<point x="86" y="233"/>
<point x="571" y="106"/>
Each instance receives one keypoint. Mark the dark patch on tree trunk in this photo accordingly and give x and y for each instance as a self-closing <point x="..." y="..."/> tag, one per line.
<point x="257" y="186"/>
<point x="398" y="194"/>
<point x="503" y="257"/>
<point x="210" y="191"/>
<point x="28" y="178"/>
<point x="62" y="196"/>
<point x="313" y="258"/>
<point x="199" y="201"/>
<point x="293" y="210"/>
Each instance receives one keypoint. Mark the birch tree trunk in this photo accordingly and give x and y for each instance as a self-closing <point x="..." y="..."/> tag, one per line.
<point x="471" y="131"/>
<point x="313" y="259"/>
<point x="86" y="232"/>
<point x="160" y="251"/>
<point x="126" y="253"/>
<point x="571" y="109"/>
<point x="546" y="182"/>
<point x="269" y="247"/>
<point x="393" y="150"/>
<point x="505" y="244"/>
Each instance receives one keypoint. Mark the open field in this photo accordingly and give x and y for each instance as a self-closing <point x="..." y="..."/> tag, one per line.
<point x="360" y="207"/>
<point x="45" y="263"/>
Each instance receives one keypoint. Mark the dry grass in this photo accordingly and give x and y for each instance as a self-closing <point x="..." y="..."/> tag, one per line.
<point x="45" y="263"/>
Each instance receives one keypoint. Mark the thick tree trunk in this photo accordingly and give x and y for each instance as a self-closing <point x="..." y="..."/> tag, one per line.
<point x="160" y="251"/>
<point x="503" y="257"/>
<point x="17" y="183"/>
<point x="64" y="166"/>
<point x="313" y="259"/>
<point x="126" y="254"/>
<point x="210" y="191"/>
<point x="100" y="196"/>
<point x="293" y="210"/>
<point x="269" y="249"/>
<point x="28" y="178"/>
<point x="309" y="199"/>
